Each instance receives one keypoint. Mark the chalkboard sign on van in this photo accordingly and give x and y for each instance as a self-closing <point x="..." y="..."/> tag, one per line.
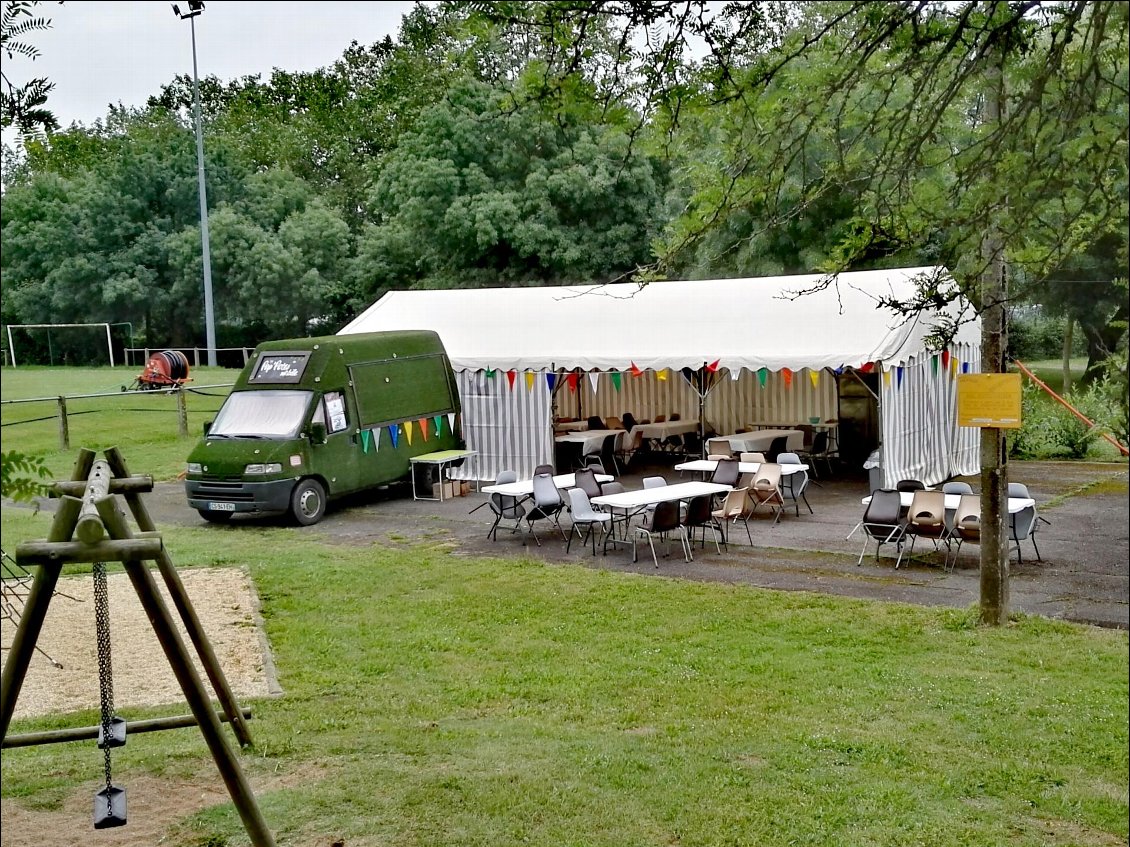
<point x="282" y="368"/>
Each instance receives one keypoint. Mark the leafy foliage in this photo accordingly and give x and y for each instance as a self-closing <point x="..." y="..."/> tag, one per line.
<point x="23" y="106"/>
<point x="21" y="475"/>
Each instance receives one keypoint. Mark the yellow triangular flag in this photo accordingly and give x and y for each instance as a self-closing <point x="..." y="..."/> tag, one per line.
<point x="887" y="377"/>
<point x="814" y="378"/>
<point x="661" y="375"/>
<point x="408" y="431"/>
<point x="529" y="380"/>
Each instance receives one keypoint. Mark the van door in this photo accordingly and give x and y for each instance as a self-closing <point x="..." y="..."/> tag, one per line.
<point x="337" y="459"/>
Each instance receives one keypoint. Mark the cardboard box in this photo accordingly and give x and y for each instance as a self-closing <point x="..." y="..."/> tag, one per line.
<point x="451" y="488"/>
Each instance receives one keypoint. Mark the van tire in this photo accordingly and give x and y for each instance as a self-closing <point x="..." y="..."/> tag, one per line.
<point x="215" y="517"/>
<point x="308" y="502"/>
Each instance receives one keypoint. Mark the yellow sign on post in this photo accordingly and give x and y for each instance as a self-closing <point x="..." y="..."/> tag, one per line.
<point x="988" y="400"/>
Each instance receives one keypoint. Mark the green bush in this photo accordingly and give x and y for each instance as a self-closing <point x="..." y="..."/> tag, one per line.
<point x="1050" y="431"/>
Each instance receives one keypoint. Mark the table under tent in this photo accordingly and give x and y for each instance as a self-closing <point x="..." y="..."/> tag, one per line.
<point x="723" y="352"/>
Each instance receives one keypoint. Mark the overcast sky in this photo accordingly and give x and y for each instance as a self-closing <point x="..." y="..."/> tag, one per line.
<point x="99" y="53"/>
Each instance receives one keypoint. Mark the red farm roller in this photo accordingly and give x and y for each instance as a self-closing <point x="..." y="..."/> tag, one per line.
<point x="166" y="369"/>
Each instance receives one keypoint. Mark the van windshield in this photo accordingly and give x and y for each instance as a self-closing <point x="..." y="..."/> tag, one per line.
<point x="261" y="414"/>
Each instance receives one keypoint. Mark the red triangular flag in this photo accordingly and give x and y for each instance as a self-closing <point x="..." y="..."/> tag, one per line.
<point x="635" y="371"/>
<point x="510" y="377"/>
<point x="713" y="366"/>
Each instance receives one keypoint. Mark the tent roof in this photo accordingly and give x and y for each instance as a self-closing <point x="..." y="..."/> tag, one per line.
<point x="750" y="323"/>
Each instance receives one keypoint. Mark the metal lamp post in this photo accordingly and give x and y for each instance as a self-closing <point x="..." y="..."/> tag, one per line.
<point x="195" y="7"/>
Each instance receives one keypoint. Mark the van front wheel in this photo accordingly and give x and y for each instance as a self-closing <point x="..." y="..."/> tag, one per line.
<point x="308" y="502"/>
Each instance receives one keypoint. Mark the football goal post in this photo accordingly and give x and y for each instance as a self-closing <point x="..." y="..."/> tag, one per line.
<point x="49" y="327"/>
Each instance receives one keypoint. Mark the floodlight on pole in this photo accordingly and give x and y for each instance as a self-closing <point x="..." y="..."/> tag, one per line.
<point x="195" y="7"/>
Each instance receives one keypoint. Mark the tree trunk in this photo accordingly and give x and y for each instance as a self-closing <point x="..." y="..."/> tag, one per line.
<point x="994" y="456"/>
<point x="1067" y="333"/>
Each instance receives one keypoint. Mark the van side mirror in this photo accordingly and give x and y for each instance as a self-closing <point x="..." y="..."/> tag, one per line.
<point x="317" y="433"/>
<point x="207" y="427"/>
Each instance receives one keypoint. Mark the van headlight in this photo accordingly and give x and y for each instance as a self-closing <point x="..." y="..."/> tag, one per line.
<point x="193" y="467"/>
<point x="270" y="467"/>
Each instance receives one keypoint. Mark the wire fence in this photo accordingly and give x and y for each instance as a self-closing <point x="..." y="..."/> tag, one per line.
<point x="64" y="415"/>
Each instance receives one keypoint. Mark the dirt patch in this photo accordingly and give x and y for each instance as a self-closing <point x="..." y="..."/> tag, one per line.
<point x="228" y="611"/>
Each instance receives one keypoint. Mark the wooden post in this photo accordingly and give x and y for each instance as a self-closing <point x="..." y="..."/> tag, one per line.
<point x="182" y="411"/>
<point x="64" y="426"/>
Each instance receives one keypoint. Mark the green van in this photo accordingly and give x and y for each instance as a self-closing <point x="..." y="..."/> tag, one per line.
<point x="311" y="419"/>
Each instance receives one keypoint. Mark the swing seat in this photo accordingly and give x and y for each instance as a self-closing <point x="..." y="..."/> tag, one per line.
<point x="117" y="734"/>
<point x="110" y="807"/>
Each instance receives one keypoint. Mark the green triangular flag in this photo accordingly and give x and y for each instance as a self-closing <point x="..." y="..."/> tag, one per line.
<point x="364" y="441"/>
<point x="615" y="377"/>
<point x="762" y="375"/>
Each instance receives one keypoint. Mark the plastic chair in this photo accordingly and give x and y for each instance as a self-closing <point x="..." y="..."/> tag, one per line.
<point x="957" y="488"/>
<point x="966" y="524"/>
<point x="1023" y="524"/>
<point x="585" y="479"/>
<point x="726" y="472"/>
<point x="547" y="505"/>
<point x="585" y="516"/>
<point x="700" y="515"/>
<point x="629" y="421"/>
<point x="663" y="521"/>
<point x="883" y="523"/>
<point x="766" y="489"/>
<point x="776" y="447"/>
<point x="736" y="507"/>
<point x="754" y="458"/>
<point x="794" y="484"/>
<point x="505" y="507"/>
<point x="596" y="422"/>
<point x="719" y="448"/>
<point x="820" y="451"/>
<point x="926" y="518"/>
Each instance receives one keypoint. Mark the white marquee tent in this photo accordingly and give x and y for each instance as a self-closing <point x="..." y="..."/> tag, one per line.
<point x="773" y="349"/>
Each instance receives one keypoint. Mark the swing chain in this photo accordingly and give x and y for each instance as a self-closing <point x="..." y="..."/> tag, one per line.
<point x="105" y="668"/>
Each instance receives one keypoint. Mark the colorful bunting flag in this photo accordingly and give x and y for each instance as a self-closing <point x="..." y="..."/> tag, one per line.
<point x="376" y="433"/>
<point x="511" y="375"/>
<point x="866" y="367"/>
<point x="934" y="364"/>
<point x="898" y="373"/>
<point x="439" y="425"/>
<point x="408" y="431"/>
<point x="451" y="422"/>
<point x="965" y="367"/>
<point x="551" y="380"/>
<point x="572" y="380"/>
<point x="394" y="434"/>
<point x="529" y="380"/>
<point x="814" y="378"/>
<point x="364" y="441"/>
<point x="953" y="365"/>
<point x="661" y="375"/>
<point x="713" y="366"/>
<point x="887" y="377"/>
<point x="594" y="380"/>
<point x="635" y="370"/>
<point x="762" y="375"/>
<point x="424" y="428"/>
<point x="490" y="373"/>
<point x="946" y="359"/>
<point x="734" y="374"/>
<point x="788" y="375"/>
<point x="615" y="377"/>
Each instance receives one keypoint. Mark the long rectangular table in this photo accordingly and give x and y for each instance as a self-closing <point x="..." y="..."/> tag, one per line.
<point x="590" y="439"/>
<point x="525" y="487"/>
<point x="632" y="502"/>
<point x="710" y="465"/>
<point x="762" y="439"/>
<point x="663" y="430"/>
<point x="1015" y="504"/>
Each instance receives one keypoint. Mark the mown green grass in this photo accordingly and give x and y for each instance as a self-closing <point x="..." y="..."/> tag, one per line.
<point x="145" y="426"/>
<point x="432" y="699"/>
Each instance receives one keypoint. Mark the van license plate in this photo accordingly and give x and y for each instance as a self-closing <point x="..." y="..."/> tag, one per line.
<point x="222" y="507"/>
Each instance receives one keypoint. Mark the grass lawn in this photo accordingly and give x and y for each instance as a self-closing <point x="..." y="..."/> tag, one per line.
<point x="432" y="699"/>
<point x="144" y="426"/>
